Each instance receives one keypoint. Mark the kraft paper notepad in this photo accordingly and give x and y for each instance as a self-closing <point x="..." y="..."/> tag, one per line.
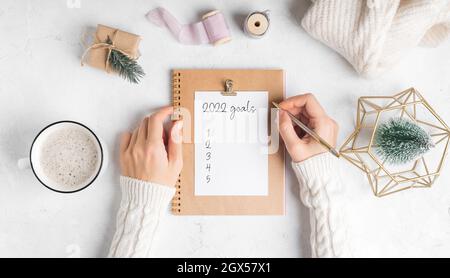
<point x="233" y="155"/>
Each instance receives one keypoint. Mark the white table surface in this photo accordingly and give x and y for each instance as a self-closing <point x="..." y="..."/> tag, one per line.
<point x="41" y="81"/>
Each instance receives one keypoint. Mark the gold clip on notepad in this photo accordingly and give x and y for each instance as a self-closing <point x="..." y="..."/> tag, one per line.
<point x="228" y="88"/>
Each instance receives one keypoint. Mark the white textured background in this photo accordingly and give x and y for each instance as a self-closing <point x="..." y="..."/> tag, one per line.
<point x="41" y="81"/>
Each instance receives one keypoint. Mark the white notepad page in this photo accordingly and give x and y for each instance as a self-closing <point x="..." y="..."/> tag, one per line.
<point x="231" y="144"/>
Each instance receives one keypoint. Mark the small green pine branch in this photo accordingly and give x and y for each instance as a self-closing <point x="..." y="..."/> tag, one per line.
<point x="126" y="67"/>
<point x="400" y="141"/>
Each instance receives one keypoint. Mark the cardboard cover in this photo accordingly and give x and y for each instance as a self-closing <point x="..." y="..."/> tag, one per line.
<point x="185" y="84"/>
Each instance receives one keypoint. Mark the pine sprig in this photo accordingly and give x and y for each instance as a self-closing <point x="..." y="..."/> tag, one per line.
<point x="400" y="141"/>
<point x="126" y="67"/>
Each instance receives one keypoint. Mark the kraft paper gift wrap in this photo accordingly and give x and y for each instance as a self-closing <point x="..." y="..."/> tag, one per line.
<point x="125" y="42"/>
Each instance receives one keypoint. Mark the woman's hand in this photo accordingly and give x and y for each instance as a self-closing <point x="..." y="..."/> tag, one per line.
<point x="144" y="154"/>
<point x="307" y="109"/>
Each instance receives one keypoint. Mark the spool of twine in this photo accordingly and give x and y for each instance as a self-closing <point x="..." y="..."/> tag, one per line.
<point x="257" y="24"/>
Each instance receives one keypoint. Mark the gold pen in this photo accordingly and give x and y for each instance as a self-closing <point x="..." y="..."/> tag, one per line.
<point x="309" y="131"/>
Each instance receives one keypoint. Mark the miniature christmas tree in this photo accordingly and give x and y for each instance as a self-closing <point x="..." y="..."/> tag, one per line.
<point x="400" y="141"/>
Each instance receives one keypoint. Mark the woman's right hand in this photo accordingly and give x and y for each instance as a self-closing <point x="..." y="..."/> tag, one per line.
<point x="307" y="109"/>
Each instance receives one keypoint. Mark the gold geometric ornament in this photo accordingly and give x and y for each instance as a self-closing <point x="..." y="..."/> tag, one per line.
<point x="385" y="178"/>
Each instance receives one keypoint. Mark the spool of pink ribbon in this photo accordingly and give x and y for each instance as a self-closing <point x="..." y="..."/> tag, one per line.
<point x="211" y="29"/>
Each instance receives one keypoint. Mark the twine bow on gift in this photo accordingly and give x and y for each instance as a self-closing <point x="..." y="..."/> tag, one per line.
<point x="110" y="45"/>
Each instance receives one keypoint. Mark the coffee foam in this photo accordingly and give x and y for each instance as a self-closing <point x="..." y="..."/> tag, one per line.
<point x="69" y="157"/>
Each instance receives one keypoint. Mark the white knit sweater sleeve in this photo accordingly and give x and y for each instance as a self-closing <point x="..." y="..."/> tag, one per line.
<point x="321" y="191"/>
<point x="137" y="219"/>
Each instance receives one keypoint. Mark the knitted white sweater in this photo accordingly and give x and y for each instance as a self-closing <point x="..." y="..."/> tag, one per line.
<point x="320" y="189"/>
<point x="374" y="34"/>
<point x="138" y="216"/>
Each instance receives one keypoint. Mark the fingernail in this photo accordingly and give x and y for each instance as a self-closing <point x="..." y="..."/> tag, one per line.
<point x="179" y="124"/>
<point x="176" y="131"/>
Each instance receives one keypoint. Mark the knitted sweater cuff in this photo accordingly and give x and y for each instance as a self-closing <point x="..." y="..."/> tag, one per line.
<point x="148" y="194"/>
<point x="321" y="165"/>
<point x="321" y="191"/>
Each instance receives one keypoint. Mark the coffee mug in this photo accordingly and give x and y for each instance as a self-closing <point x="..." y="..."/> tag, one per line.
<point x="66" y="157"/>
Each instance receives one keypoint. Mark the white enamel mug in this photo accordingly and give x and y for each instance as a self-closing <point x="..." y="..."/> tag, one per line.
<point x="33" y="160"/>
